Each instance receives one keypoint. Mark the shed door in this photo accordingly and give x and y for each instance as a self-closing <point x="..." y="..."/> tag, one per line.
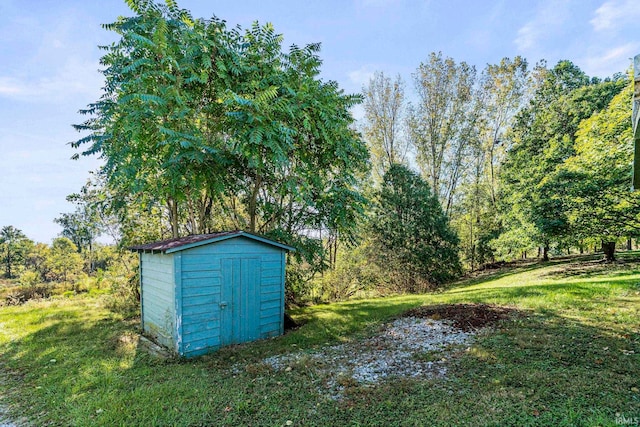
<point x="239" y="302"/>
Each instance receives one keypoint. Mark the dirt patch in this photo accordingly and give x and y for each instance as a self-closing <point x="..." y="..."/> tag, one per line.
<point x="468" y="317"/>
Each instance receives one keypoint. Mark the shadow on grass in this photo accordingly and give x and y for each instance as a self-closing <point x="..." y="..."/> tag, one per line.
<point x="562" y="295"/>
<point x="339" y="321"/>
<point x="514" y="268"/>
<point x="533" y="370"/>
<point x="541" y="368"/>
<point x="626" y="264"/>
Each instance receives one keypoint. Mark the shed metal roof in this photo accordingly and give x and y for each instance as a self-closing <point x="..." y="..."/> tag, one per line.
<point x="187" y="242"/>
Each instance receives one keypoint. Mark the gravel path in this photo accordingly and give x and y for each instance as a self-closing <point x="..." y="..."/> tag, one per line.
<point x="4" y="421"/>
<point x="408" y="347"/>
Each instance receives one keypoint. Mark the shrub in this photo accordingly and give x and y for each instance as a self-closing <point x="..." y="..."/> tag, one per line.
<point x="122" y="280"/>
<point x="23" y="294"/>
<point x="354" y="275"/>
<point x="411" y="236"/>
<point x="29" y="278"/>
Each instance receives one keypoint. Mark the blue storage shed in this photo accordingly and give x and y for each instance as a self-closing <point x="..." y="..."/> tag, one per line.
<point x="202" y="292"/>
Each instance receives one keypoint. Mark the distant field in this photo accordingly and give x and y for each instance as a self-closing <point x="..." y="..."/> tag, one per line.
<point x="570" y="357"/>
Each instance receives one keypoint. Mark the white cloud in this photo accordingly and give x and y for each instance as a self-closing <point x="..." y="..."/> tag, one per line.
<point x="527" y="36"/>
<point x="75" y="77"/>
<point x="548" y="20"/>
<point x="614" y="13"/>
<point x="376" y="3"/>
<point x="608" y="61"/>
<point x="361" y="76"/>
<point x="10" y="86"/>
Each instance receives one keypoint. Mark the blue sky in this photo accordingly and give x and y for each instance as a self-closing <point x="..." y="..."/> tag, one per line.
<point x="49" y="64"/>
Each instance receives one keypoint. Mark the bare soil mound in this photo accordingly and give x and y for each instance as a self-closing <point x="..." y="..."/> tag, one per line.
<point x="467" y="317"/>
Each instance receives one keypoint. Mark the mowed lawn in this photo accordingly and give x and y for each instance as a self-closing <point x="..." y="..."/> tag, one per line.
<point x="570" y="358"/>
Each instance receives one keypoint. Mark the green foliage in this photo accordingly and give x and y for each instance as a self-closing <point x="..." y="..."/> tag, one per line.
<point x="542" y="139"/>
<point x="37" y="260"/>
<point x="601" y="204"/>
<point x="83" y="225"/>
<point x="65" y="263"/>
<point x="14" y="245"/>
<point x="123" y="283"/>
<point x="60" y="270"/>
<point x="514" y="241"/>
<point x="205" y="128"/>
<point x="29" y="278"/>
<point x="355" y="275"/>
<point x="476" y="224"/>
<point x="411" y="237"/>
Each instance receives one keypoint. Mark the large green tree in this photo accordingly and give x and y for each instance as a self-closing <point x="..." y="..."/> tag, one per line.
<point x="601" y="203"/>
<point x="542" y="138"/>
<point x="83" y="225"/>
<point x="500" y="95"/>
<point x="64" y="262"/>
<point x="219" y="126"/>
<point x="411" y="236"/>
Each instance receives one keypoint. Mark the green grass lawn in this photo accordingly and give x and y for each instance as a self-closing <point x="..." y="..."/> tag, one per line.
<point x="572" y="358"/>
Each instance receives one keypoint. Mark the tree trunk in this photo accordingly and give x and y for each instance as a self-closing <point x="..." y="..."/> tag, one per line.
<point x="545" y="253"/>
<point x="493" y="174"/>
<point x="473" y="247"/>
<point x="91" y="262"/>
<point x="539" y="252"/>
<point x="253" y="204"/>
<point x="8" y="262"/>
<point x="629" y="245"/>
<point x="173" y="217"/>
<point x="609" y="249"/>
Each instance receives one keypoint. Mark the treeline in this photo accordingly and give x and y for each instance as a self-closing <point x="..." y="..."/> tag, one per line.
<point x="523" y="160"/>
<point x="38" y="270"/>
<point x="205" y="128"/>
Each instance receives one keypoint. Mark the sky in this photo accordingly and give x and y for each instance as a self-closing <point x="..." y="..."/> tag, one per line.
<point x="49" y="64"/>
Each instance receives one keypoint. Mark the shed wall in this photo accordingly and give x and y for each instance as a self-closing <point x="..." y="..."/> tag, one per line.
<point x="202" y="281"/>
<point x="158" y="296"/>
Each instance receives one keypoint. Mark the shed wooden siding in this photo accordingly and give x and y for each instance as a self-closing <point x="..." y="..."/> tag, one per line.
<point x="158" y="296"/>
<point x="202" y="271"/>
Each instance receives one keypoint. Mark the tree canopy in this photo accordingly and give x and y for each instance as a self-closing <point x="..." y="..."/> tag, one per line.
<point x="412" y="239"/>
<point x="223" y="128"/>
<point x="543" y="137"/>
